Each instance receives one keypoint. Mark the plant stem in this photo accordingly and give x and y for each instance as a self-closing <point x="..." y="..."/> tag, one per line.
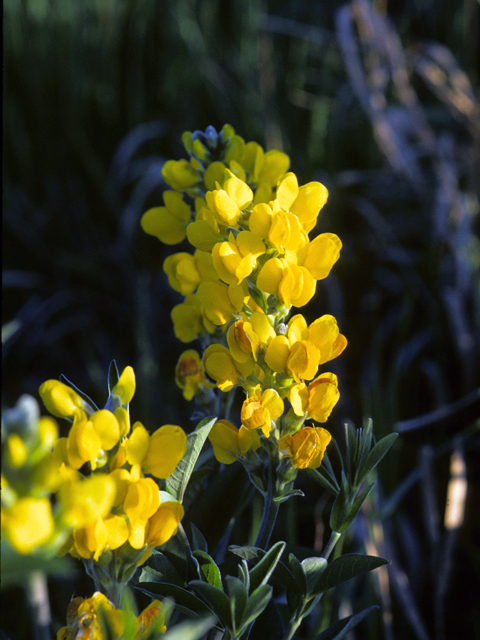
<point x="270" y="507"/>
<point x="334" y="538"/>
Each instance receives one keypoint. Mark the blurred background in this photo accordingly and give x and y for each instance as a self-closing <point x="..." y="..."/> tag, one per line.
<point x="380" y="102"/>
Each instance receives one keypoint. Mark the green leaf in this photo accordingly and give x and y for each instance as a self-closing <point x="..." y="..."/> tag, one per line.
<point x="256" y="603"/>
<point x="189" y="630"/>
<point x="299" y="574"/>
<point x="216" y="600"/>
<point x="375" y="455"/>
<point x="281" y="573"/>
<point x="113" y="376"/>
<point x="355" y="508"/>
<point x="184" y="600"/>
<point x="342" y="627"/>
<point x="313" y="569"/>
<point x="322" y="480"/>
<point x="351" y="444"/>
<point x="243" y="574"/>
<point x="238" y="601"/>
<point x="286" y="496"/>
<point x="160" y="569"/>
<point x="208" y="569"/>
<point x="198" y="539"/>
<point x="177" y="482"/>
<point x="262" y="571"/>
<point x="341" y="506"/>
<point x="345" y="568"/>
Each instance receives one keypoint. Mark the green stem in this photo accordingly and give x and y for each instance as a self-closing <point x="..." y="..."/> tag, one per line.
<point x="334" y="538"/>
<point x="295" y="622"/>
<point x="270" y="507"/>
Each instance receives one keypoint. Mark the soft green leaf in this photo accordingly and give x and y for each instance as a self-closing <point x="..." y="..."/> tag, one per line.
<point x="365" y="444"/>
<point x="256" y="603"/>
<point x="313" y="569"/>
<point x="286" y="496"/>
<point x="238" y="601"/>
<point x="321" y="479"/>
<point x="198" y="539"/>
<point x="281" y="573"/>
<point x="342" y="627"/>
<point x="345" y="568"/>
<point x="160" y="569"/>
<point x="184" y="600"/>
<point x="243" y="574"/>
<point x="299" y="574"/>
<point x="208" y="569"/>
<point x="340" y="507"/>
<point x="262" y="571"/>
<point x="177" y="482"/>
<point x="375" y="455"/>
<point x="216" y="600"/>
<point x="355" y="508"/>
<point x="351" y="444"/>
<point x="189" y="630"/>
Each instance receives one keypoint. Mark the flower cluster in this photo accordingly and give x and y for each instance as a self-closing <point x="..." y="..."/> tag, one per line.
<point x="248" y="221"/>
<point x="130" y="510"/>
<point x="96" y="618"/>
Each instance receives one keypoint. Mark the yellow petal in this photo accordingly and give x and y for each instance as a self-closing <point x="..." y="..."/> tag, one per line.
<point x="168" y="445"/>
<point x="322" y="253"/>
<point x="224" y="438"/>
<point x="107" y="428"/>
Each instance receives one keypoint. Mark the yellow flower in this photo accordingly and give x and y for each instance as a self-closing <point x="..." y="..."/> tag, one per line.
<point x="260" y="408"/>
<point x="306" y="447"/>
<point x="188" y="319"/>
<point x="185" y="271"/>
<point x="302" y="363"/>
<point x="216" y="303"/>
<point x="83" y="443"/>
<point x="227" y="203"/>
<point x="125" y="387"/>
<point x="167" y="446"/>
<point x="28" y="524"/>
<point x="293" y="284"/>
<point x="141" y="502"/>
<point x="180" y="174"/>
<point x="204" y="232"/>
<point x="168" y="223"/>
<point x="87" y="619"/>
<point x="61" y="400"/>
<point x="236" y="259"/>
<point x="318" y="399"/>
<point x="305" y="202"/>
<point x="190" y="374"/>
<point x="229" y="442"/>
<point x="84" y="501"/>
<point x="220" y="366"/>
<point x="277" y="353"/>
<point x="164" y="523"/>
<point x="151" y="618"/>
<point x="105" y="533"/>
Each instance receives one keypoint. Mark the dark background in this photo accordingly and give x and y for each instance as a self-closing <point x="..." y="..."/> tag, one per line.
<point x="380" y="103"/>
